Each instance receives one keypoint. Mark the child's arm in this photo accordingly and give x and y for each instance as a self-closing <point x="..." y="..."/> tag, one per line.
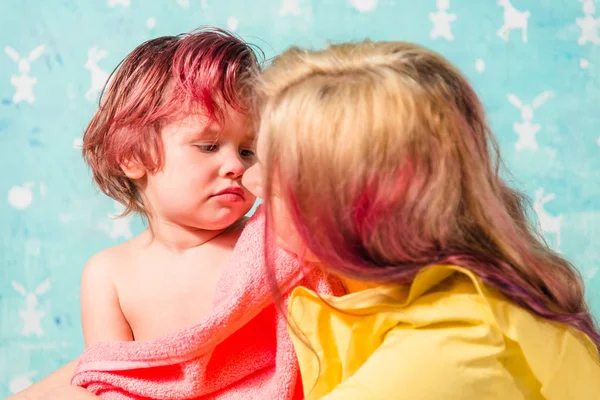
<point x="101" y="315"/>
<point x="70" y="393"/>
<point x="54" y="384"/>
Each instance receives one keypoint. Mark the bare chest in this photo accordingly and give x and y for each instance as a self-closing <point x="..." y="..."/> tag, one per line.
<point x="161" y="298"/>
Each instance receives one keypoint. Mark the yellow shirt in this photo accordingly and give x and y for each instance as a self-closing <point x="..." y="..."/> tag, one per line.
<point x="446" y="337"/>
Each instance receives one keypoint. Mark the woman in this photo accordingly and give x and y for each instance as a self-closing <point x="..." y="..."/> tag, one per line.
<point x="378" y="166"/>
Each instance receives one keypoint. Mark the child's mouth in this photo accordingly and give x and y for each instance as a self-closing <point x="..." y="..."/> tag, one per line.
<point x="231" y="194"/>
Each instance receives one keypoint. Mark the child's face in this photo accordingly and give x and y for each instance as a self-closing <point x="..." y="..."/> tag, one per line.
<point x="199" y="185"/>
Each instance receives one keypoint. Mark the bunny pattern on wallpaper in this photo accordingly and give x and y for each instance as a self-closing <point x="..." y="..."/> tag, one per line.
<point x="31" y="314"/>
<point x="526" y="129"/>
<point x="548" y="223"/>
<point x="513" y="19"/>
<point x="364" y="5"/>
<point x="589" y="25"/>
<point x="24" y="83"/>
<point x="442" y="20"/>
<point x="98" y="75"/>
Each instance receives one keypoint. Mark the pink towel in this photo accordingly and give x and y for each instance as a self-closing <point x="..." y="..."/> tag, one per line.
<point x="241" y="351"/>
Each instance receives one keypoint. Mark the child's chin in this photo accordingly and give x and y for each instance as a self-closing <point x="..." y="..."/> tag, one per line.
<point x="230" y="219"/>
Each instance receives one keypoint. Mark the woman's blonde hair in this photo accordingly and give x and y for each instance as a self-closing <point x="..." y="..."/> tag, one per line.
<point x="386" y="164"/>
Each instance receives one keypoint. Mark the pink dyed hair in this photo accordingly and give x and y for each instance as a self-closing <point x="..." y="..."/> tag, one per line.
<point x="386" y="165"/>
<point x="162" y="78"/>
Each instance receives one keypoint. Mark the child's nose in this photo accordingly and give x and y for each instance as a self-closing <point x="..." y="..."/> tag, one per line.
<point x="234" y="166"/>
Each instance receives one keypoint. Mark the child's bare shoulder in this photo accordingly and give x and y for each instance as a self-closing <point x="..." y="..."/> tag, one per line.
<point x="101" y="314"/>
<point x="108" y="262"/>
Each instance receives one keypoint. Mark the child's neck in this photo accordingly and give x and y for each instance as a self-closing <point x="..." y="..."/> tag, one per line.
<point x="180" y="239"/>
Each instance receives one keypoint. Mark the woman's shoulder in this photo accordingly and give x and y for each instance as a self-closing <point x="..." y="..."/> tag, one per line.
<point x="441" y="294"/>
<point x="448" y="322"/>
<point x="454" y="292"/>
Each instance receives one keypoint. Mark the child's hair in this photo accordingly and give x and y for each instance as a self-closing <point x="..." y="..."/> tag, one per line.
<point x="386" y="164"/>
<point x="202" y="71"/>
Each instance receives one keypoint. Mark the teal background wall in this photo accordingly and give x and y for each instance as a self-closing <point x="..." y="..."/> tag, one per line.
<point x="535" y="63"/>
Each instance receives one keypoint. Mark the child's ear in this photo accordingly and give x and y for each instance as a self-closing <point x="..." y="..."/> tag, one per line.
<point x="133" y="169"/>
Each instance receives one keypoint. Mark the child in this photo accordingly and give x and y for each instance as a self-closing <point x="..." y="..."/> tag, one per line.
<point x="170" y="141"/>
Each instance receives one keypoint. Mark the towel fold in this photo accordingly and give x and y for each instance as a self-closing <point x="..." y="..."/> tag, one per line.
<point x="242" y="350"/>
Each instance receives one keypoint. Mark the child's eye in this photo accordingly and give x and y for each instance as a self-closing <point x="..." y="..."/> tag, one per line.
<point x="207" y="148"/>
<point x="247" y="153"/>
